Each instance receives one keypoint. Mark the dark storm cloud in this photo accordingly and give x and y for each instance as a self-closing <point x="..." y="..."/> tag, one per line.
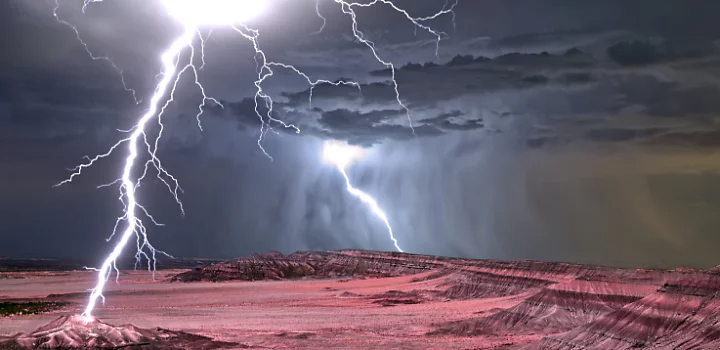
<point x="358" y="127"/>
<point x="245" y="112"/>
<point x="363" y="128"/>
<point x="344" y="122"/>
<point x="543" y="40"/>
<point x="554" y="77"/>
<point x="543" y="141"/>
<point x="604" y="135"/>
<point x="443" y="117"/>
<point x="368" y="137"/>
<point x="516" y="80"/>
<point x="638" y="53"/>
<point x="424" y="88"/>
<point x="563" y="82"/>
<point x="446" y="121"/>
<point x="567" y="87"/>
<point x="576" y="78"/>
<point x="701" y="138"/>
<point x="52" y="90"/>
<point x="346" y="119"/>
<point x="526" y="62"/>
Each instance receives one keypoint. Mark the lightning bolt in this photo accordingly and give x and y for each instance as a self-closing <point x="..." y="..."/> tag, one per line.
<point x="348" y="9"/>
<point x="137" y="142"/>
<point x="128" y="187"/>
<point x="372" y="204"/>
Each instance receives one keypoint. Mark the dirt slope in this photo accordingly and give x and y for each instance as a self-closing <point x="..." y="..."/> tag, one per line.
<point x="576" y="306"/>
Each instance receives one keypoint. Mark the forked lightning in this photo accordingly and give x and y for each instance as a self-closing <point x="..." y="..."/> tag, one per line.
<point x="180" y="58"/>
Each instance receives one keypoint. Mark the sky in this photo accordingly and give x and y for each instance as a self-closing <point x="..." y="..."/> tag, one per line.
<point x="581" y="131"/>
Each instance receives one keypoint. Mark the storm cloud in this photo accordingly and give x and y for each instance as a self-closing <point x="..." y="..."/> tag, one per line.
<point x="541" y="130"/>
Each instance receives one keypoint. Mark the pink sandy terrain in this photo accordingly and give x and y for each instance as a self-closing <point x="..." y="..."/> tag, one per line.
<point x="374" y="300"/>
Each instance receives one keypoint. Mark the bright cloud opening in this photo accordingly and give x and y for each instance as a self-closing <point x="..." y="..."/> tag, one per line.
<point x="341" y="154"/>
<point x="214" y="12"/>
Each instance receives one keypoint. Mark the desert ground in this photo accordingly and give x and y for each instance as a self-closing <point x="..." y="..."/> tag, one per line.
<point x="369" y="300"/>
<point x="274" y="314"/>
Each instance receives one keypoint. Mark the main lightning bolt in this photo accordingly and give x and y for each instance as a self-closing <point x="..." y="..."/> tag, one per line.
<point x="194" y="14"/>
<point x="134" y="224"/>
<point x="372" y="204"/>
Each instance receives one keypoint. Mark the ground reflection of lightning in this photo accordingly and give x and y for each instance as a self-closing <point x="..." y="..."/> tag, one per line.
<point x="167" y="85"/>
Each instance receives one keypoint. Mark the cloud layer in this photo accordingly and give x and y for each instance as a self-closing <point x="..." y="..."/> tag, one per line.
<point x="572" y="131"/>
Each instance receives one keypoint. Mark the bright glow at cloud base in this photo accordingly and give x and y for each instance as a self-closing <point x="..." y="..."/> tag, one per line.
<point x="214" y="12"/>
<point x="341" y="154"/>
<point x="180" y="58"/>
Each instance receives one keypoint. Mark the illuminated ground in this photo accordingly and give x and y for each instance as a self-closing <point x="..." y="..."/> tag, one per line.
<point x="259" y="313"/>
<point x="434" y="303"/>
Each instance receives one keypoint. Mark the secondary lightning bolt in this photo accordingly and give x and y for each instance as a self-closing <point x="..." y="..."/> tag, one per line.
<point x="165" y="89"/>
<point x="341" y="155"/>
<point x="372" y="204"/>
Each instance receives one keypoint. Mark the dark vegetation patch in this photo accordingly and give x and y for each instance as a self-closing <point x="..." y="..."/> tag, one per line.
<point x="393" y="302"/>
<point x="8" y="308"/>
<point x="295" y="335"/>
<point x="4" y="276"/>
<point x="396" y="297"/>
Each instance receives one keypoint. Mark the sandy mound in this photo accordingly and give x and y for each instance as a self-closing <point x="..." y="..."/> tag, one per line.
<point x="276" y="266"/>
<point x="68" y="332"/>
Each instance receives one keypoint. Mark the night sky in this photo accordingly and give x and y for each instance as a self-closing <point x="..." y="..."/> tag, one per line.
<point x="583" y="131"/>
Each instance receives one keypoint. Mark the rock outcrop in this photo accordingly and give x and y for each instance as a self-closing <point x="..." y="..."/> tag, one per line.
<point x="684" y="313"/>
<point x="276" y="266"/>
<point x="79" y="332"/>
